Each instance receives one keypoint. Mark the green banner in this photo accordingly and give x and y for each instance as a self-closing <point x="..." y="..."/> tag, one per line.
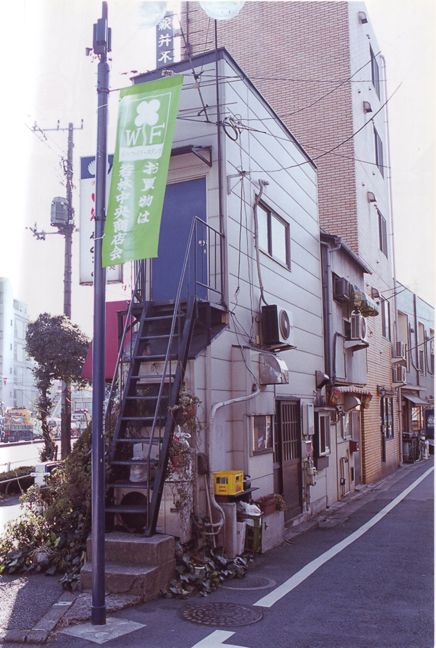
<point x="146" y="120"/>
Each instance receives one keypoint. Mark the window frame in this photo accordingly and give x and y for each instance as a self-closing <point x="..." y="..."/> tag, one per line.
<point x="375" y="71"/>
<point x="387" y="417"/>
<point x="386" y="318"/>
<point x="267" y="445"/>
<point x="270" y="215"/>
<point x="323" y="437"/>
<point x="382" y="233"/>
<point x="378" y="148"/>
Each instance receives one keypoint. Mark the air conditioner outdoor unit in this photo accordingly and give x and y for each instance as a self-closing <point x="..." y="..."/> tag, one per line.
<point x="399" y="352"/>
<point x="277" y="327"/>
<point x="358" y="327"/>
<point x="399" y="374"/>
<point x="358" y="333"/>
<point x="341" y="290"/>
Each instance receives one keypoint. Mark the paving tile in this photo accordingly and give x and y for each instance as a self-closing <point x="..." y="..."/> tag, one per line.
<point x="100" y="634"/>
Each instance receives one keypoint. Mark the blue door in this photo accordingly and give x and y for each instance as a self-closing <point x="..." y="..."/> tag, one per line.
<point x="183" y="202"/>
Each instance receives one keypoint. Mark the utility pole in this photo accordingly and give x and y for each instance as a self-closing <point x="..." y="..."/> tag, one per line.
<point x="101" y="46"/>
<point x="66" y="229"/>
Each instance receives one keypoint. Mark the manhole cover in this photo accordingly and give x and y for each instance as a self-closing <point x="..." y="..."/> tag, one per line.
<point x="250" y="582"/>
<point x="222" y="614"/>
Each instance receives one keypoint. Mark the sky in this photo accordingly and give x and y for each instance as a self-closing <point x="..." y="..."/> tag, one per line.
<point x="47" y="77"/>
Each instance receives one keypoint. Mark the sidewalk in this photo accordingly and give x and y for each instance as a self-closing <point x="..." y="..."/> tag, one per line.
<point x="32" y="607"/>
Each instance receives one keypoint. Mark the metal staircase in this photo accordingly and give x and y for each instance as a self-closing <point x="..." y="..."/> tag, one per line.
<point x="144" y="426"/>
<point x="152" y="358"/>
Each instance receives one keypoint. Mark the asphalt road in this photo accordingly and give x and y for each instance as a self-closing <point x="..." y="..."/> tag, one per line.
<point x="365" y="578"/>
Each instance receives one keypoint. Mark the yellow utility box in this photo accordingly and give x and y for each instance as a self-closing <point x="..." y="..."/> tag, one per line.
<point x="228" y="482"/>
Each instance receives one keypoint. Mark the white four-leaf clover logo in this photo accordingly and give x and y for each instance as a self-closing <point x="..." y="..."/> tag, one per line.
<point x="148" y="113"/>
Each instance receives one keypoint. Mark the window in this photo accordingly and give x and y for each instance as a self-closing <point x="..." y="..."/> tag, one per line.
<point x="421" y="348"/>
<point x="430" y="352"/>
<point x="375" y="72"/>
<point x="382" y="233"/>
<point x="262" y="440"/>
<point x="322" y="434"/>
<point x="387" y="417"/>
<point x="378" y="145"/>
<point x="417" y="419"/>
<point x="273" y="235"/>
<point x="386" y="318"/>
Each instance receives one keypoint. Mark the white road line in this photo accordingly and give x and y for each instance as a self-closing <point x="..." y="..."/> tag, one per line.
<point x="215" y="640"/>
<point x="310" y="568"/>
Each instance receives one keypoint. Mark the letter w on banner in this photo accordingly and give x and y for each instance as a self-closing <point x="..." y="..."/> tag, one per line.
<point x="146" y="120"/>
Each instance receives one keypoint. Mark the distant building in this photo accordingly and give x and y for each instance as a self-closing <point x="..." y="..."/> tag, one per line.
<point x="16" y="377"/>
<point x="414" y="369"/>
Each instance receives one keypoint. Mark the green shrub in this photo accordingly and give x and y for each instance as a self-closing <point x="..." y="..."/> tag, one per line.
<point x="51" y="533"/>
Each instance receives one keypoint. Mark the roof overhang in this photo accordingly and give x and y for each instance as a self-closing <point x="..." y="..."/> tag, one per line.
<point x="413" y="398"/>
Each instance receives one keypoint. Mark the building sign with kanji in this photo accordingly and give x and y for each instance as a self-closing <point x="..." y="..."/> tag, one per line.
<point x="87" y="223"/>
<point x="165" y="41"/>
<point x="146" y="121"/>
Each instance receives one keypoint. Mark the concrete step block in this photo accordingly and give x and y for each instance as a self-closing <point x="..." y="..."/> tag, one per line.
<point x="128" y="548"/>
<point x="125" y="579"/>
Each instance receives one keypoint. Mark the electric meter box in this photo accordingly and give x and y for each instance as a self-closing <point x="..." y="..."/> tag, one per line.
<point x="59" y="212"/>
<point x="228" y="482"/>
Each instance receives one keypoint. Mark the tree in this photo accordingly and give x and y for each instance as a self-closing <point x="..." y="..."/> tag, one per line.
<point x="59" y="348"/>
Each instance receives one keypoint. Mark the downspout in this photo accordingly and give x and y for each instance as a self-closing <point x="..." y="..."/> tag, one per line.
<point x="326" y="309"/>
<point x="262" y="185"/>
<point x="240" y="399"/>
<point x="394" y="271"/>
<point x="327" y="305"/>
<point x="415" y="323"/>
<point x="222" y="226"/>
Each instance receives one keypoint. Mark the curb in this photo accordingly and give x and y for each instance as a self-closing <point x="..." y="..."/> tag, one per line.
<point x="41" y="630"/>
<point x="353" y="501"/>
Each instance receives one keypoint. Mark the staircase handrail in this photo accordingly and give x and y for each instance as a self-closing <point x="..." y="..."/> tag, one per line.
<point x="127" y="325"/>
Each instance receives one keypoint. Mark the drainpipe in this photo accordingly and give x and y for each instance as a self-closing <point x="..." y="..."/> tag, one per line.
<point x="262" y="185"/>
<point x="327" y="303"/>
<point x="391" y="219"/>
<point x="215" y="408"/>
<point x="220" y="163"/>
<point x="415" y="321"/>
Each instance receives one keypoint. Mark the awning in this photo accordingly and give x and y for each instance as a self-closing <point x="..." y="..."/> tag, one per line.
<point x="351" y="389"/>
<point x="414" y="399"/>
<point x="336" y="392"/>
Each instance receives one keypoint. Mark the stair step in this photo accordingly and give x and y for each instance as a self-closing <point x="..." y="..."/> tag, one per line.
<point x="132" y="548"/>
<point x="152" y="377"/>
<point x="130" y="462"/>
<point x="126" y="508"/>
<point x="162" y="417"/>
<point x="142" y="580"/>
<point x="142" y="485"/>
<point x="141" y="440"/>
<point x="161" y="336"/>
<point x="160" y="356"/>
<point x="157" y="318"/>
<point x="145" y="398"/>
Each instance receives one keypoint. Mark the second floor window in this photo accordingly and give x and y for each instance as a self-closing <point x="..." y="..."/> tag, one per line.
<point x="386" y="318"/>
<point x="273" y="235"/>
<point x="382" y="233"/>
<point x="375" y="72"/>
<point x="378" y="145"/>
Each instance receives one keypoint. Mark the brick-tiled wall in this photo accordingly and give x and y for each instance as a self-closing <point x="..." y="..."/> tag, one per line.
<point x="282" y="49"/>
